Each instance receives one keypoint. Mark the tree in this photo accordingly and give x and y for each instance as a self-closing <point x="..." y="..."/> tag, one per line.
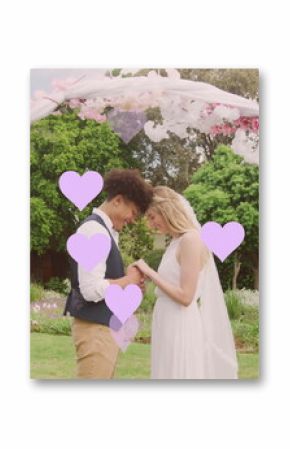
<point x="227" y="189"/>
<point x="136" y="241"/>
<point x="244" y="82"/>
<point x="169" y="162"/>
<point x="65" y="142"/>
<point x="172" y="161"/>
<point x="60" y="143"/>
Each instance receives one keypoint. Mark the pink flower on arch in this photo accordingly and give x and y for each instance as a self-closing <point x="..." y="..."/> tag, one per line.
<point x="255" y="124"/>
<point x="75" y="103"/>
<point x="91" y="114"/>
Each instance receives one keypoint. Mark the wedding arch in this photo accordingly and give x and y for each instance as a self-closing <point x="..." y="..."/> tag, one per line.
<point x="184" y="105"/>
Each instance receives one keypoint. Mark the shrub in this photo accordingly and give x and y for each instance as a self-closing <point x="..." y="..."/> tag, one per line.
<point x="58" y="285"/>
<point x="47" y="317"/>
<point x="246" y="335"/>
<point x="153" y="258"/>
<point x="36" y="292"/>
<point x="136" y="240"/>
<point x="249" y="297"/>
<point x="242" y="303"/>
<point x="234" y="305"/>
<point x="127" y="259"/>
<point x="54" y="326"/>
<point x="149" y="298"/>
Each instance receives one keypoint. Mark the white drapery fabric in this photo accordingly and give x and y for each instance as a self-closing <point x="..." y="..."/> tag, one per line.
<point x="183" y="104"/>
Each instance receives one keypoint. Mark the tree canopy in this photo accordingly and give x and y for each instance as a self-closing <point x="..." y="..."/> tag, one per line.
<point x="60" y="143"/>
<point x="227" y="189"/>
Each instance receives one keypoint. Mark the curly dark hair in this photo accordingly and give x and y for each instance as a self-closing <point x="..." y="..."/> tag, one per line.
<point x="130" y="184"/>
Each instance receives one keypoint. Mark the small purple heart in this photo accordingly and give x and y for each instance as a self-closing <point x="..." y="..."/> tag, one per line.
<point x="127" y="123"/>
<point x="125" y="333"/>
<point x="123" y="303"/>
<point x="222" y="241"/>
<point x="88" y="251"/>
<point x="80" y="190"/>
<point x="115" y="323"/>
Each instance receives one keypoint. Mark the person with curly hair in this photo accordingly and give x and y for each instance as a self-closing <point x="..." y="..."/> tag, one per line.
<point x="128" y="197"/>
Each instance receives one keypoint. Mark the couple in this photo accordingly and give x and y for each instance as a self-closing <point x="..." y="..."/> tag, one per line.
<point x="191" y="333"/>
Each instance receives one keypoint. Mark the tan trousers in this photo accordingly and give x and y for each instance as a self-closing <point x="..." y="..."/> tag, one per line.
<point x="96" y="350"/>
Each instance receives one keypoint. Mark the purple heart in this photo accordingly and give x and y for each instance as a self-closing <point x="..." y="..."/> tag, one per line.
<point x="123" y="335"/>
<point x="222" y="241"/>
<point x="80" y="190"/>
<point x="88" y="251"/>
<point x="127" y="123"/>
<point x="123" y="303"/>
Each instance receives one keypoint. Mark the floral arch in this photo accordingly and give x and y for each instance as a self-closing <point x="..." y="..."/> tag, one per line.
<point x="183" y="104"/>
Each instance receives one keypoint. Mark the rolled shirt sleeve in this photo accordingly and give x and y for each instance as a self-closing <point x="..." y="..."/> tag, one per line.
<point x="93" y="283"/>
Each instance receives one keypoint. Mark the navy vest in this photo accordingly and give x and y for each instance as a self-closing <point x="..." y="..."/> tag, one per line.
<point x="76" y="305"/>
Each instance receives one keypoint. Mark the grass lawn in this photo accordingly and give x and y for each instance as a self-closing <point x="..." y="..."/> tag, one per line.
<point x="53" y="357"/>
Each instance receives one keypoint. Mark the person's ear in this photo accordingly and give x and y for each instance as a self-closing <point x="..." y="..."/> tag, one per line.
<point x="117" y="200"/>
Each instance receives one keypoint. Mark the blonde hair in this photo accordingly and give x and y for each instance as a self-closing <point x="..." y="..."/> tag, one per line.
<point x="167" y="203"/>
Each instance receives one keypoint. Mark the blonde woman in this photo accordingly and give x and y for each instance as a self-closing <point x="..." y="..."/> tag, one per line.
<point x="191" y="332"/>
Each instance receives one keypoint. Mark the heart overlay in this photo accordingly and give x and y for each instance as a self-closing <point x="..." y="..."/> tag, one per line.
<point x="123" y="302"/>
<point x="222" y="241"/>
<point x="127" y="123"/>
<point x="80" y="190"/>
<point x="124" y="334"/>
<point x="88" y="251"/>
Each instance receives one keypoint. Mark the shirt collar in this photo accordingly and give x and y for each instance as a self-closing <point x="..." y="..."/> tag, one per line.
<point x="108" y="222"/>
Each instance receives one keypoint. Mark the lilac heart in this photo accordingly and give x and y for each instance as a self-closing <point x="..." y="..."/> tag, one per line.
<point x="115" y="323"/>
<point x="127" y="123"/>
<point x="222" y="241"/>
<point x="80" y="190"/>
<point x="124" y="335"/>
<point x="88" y="251"/>
<point x="123" y="303"/>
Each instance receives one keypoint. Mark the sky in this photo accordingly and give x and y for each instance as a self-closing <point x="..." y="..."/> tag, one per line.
<point x="40" y="79"/>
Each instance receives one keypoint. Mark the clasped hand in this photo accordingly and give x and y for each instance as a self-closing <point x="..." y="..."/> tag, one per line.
<point x="136" y="277"/>
<point x="140" y="271"/>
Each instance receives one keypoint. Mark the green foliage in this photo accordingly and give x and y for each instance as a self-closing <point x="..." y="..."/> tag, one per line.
<point x="227" y="189"/>
<point x="135" y="241"/>
<point x="234" y="305"/>
<point x="42" y="221"/>
<point x="53" y="326"/>
<point x="60" y="143"/>
<point x="153" y="258"/>
<point x="244" y="314"/>
<point x="47" y="316"/>
<point x="244" y="82"/>
<point x="148" y="299"/>
<point x="246" y="335"/>
<point x="36" y="292"/>
<point x="127" y="259"/>
<point x="58" y="285"/>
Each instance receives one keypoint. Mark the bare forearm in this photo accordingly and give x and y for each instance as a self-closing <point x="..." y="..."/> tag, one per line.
<point x="174" y="292"/>
<point x="122" y="282"/>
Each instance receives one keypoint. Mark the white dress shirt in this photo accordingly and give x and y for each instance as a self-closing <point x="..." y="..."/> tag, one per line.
<point x="93" y="283"/>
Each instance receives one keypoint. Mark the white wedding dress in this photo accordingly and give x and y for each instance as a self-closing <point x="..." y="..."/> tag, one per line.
<point x="179" y="344"/>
